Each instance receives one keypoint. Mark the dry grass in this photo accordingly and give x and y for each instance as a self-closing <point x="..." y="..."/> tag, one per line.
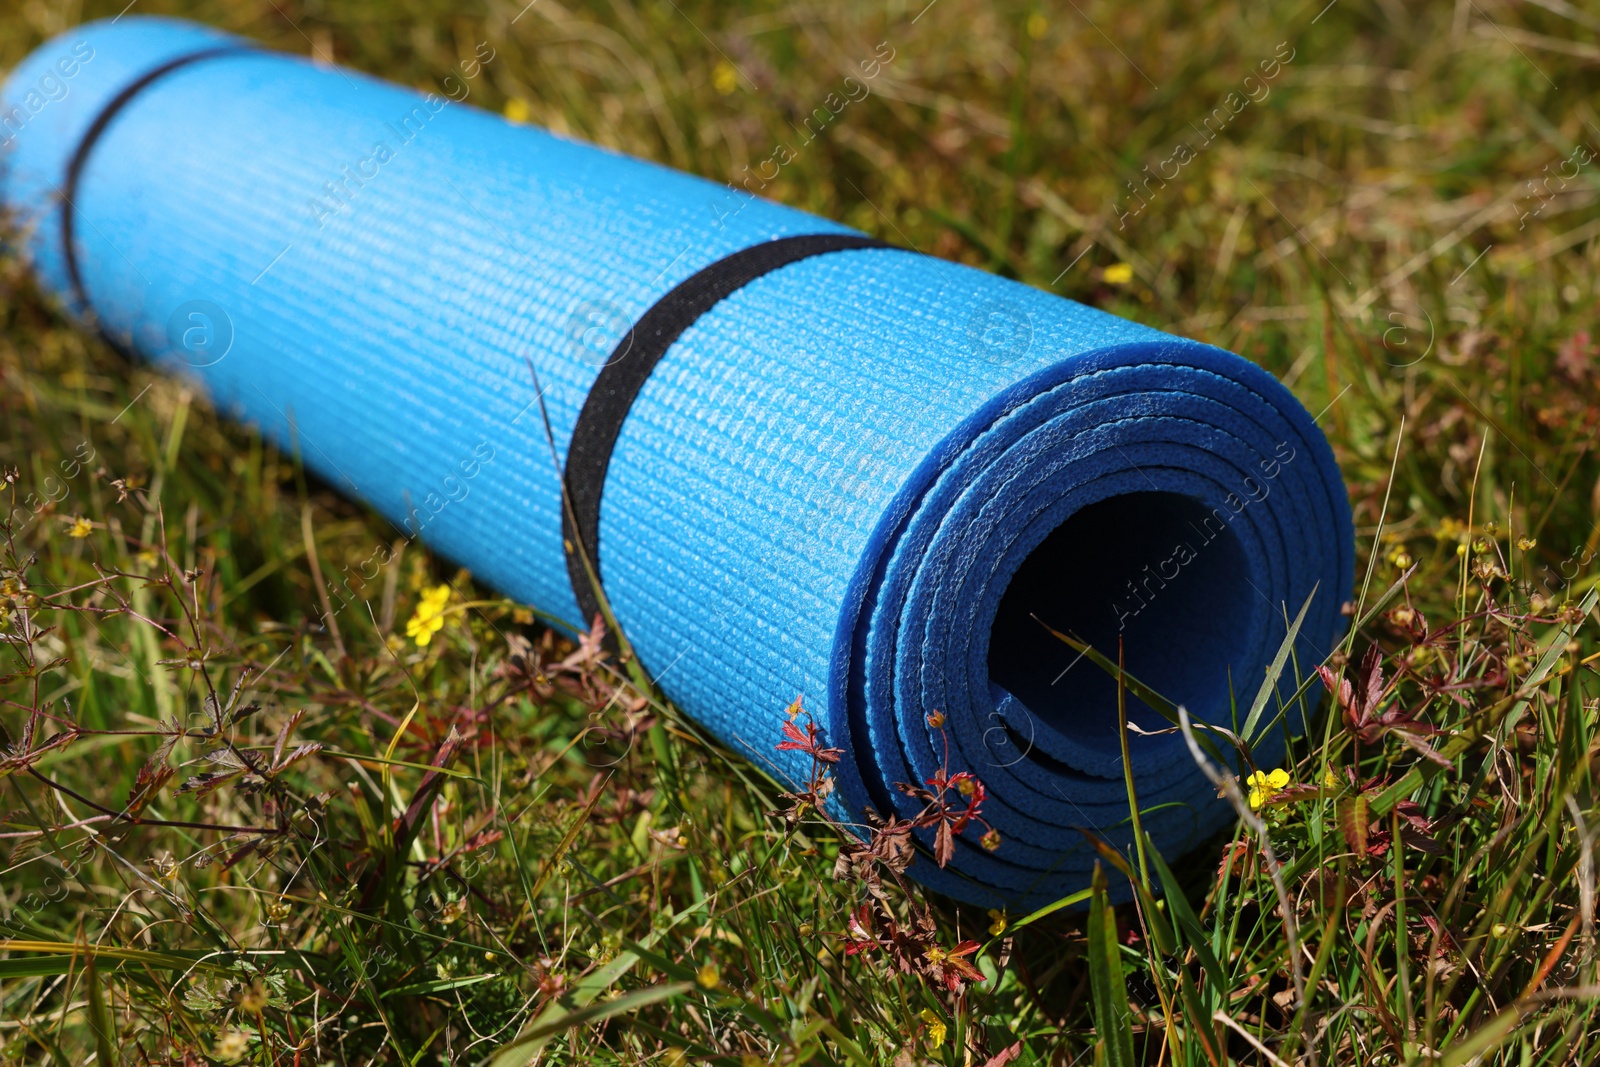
<point x="501" y="833"/>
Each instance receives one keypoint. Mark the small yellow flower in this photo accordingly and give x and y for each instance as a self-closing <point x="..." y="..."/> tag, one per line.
<point x="1400" y="558"/>
<point x="725" y="77"/>
<point x="935" y="1028"/>
<point x="517" y="110"/>
<point x="1263" y="785"/>
<point x="1527" y="544"/>
<point x="1449" y="530"/>
<point x="1038" y="25"/>
<point x="935" y="954"/>
<point x="252" y="999"/>
<point x="709" y="976"/>
<point x="997" y="922"/>
<point x="80" y="528"/>
<point x="522" y="616"/>
<point x="1118" y="274"/>
<point x="1329" y="779"/>
<point x="429" y="617"/>
<point x="966" y="787"/>
<point x="231" y="1045"/>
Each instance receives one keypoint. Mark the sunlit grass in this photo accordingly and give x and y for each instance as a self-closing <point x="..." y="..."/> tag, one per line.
<point x="251" y="815"/>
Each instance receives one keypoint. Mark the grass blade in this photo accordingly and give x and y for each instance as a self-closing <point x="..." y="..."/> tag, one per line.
<point x="99" y="1015"/>
<point x="1107" y="986"/>
<point x="1269" y="684"/>
<point x="532" y="1040"/>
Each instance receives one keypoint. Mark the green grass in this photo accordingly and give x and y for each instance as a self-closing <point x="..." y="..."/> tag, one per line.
<point x="587" y="870"/>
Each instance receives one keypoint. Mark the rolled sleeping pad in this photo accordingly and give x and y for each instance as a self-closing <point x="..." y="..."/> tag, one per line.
<point x="800" y="461"/>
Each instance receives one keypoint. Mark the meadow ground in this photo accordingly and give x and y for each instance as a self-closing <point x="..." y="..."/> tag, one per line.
<point x="222" y="838"/>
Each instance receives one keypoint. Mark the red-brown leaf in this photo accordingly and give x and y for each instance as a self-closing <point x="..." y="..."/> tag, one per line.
<point x="1371" y="679"/>
<point x="797" y="741"/>
<point x="1354" y="822"/>
<point x="152" y="777"/>
<point x="1004" y="1056"/>
<point x="944" y="844"/>
<point x="1421" y="841"/>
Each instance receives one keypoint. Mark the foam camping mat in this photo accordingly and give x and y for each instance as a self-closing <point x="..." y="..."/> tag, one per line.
<point x="798" y="461"/>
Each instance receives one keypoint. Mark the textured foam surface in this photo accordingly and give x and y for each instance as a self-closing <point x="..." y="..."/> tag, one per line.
<point x="826" y="487"/>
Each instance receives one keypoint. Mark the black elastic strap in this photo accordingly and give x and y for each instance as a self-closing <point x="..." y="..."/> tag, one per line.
<point x="628" y="368"/>
<point x="91" y="137"/>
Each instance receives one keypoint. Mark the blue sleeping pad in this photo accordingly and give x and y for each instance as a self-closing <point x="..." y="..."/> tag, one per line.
<point x="862" y="475"/>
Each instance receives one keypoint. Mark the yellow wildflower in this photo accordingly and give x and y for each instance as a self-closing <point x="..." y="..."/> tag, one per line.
<point x="935" y="954"/>
<point x="80" y="528"/>
<point x="1038" y="25"/>
<point x="725" y="77"/>
<point x="252" y="999"/>
<point x="429" y="617"/>
<point x="997" y="923"/>
<point x="1329" y="779"/>
<point x="231" y="1046"/>
<point x="517" y="110"/>
<point x="1263" y="784"/>
<point x="709" y="976"/>
<point x="935" y="1027"/>
<point x="1118" y="274"/>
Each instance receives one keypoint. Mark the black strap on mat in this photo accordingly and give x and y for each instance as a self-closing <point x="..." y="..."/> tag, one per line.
<point x="80" y="156"/>
<point x="628" y="368"/>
